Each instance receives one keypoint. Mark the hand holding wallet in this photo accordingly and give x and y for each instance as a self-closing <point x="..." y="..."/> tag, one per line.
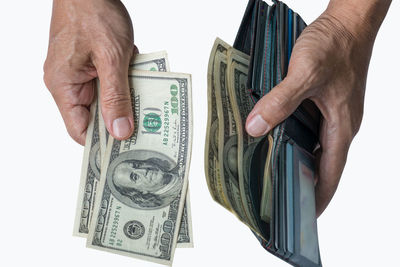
<point x="275" y="173"/>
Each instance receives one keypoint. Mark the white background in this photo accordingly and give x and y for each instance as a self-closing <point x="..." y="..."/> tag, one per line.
<point x="40" y="164"/>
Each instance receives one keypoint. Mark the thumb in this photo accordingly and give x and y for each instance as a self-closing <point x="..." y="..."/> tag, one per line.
<point x="274" y="107"/>
<point x="115" y="97"/>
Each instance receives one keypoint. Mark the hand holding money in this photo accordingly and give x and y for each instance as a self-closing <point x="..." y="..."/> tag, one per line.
<point x="149" y="204"/>
<point x="133" y="197"/>
<point x="90" y="39"/>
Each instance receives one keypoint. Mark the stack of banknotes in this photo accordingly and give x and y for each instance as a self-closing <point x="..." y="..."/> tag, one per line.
<point x="133" y="197"/>
<point x="267" y="182"/>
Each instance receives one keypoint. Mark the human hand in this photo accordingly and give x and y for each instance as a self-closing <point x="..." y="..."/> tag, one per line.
<point x="89" y="39"/>
<point x="329" y="66"/>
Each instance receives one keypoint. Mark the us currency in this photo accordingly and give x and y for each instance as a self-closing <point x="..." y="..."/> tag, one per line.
<point x="90" y="174"/>
<point x="96" y="140"/>
<point x="157" y="61"/>
<point x="227" y="152"/>
<point x="219" y="81"/>
<point x="140" y="199"/>
<point x="185" y="235"/>
<point x="230" y="81"/>
<point x="266" y="197"/>
<point x="241" y="107"/>
<point x="211" y="162"/>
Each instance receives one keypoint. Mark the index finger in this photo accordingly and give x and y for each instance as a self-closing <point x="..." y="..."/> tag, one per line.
<point x="331" y="159"/>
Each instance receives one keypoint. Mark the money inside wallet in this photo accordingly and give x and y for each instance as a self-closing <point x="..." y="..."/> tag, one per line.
<point x="267" y="182"/>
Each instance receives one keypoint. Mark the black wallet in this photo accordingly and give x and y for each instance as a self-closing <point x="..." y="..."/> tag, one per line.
<point x="284" y="209"/>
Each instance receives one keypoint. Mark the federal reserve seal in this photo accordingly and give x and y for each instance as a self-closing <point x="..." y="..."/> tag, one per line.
<point x="152" y="122"/>
<point x="134" y="229"/>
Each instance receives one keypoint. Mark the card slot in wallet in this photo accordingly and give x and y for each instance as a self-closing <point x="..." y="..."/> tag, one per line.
<point x="296" y="130"/>
<point x="243" y="37"/>
<point x="309" y="114"/>
<point x="294" y="228"/>
<point x="257" y="165"/>
<point x="306" y="248"/>
<point x="268" y="35"/>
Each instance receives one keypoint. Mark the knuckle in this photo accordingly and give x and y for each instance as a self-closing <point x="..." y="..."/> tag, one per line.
<point x="279" y="102"/>
<point x="356" y="123"/>
<point x="75" y="128"/>
<point x="46" y="80"/>
<point x="278" y="99"/>
<point x="113" y="54"/>
<point x="113" y="99"/>
<point x="46" y="74"/>
<point x="310" y="74"/>
<point x="78" y="137"/>
<point x="109" y="56"/>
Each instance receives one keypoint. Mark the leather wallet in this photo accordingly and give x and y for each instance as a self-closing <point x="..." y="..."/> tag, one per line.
<point x="287" y="224"/>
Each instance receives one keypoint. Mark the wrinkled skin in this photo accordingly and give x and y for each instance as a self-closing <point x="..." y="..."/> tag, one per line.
<point x="89" y="39"/>
<point x="329" y="65"/>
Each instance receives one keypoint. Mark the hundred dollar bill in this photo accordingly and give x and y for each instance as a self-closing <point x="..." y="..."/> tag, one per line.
<point x="157" y="61"/>
<point x="266" y="198"/>
<point x="227" y="158"/>
<point x="211" y="161"/>
<point x="242" y="104"/>
<point x="219" y="79"/>
<point x="185" y="235"/>
<point x="95" y="145"/>
<point x="230" y="79"/>
<point x="144" y="179"/>
<point x="96" y="141"/>
<point x="90" y="173"/>
<point x="238" y="57"/>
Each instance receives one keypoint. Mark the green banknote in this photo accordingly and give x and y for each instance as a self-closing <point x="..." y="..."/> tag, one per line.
<point x="96" y="142"/>
<point x="242" y="104"/>
<point x="141" y="195"/>
<point x="231" y="79"/>
<point x="214" y="175"/>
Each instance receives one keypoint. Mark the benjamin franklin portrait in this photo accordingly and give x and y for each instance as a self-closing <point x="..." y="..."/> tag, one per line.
<point x="144" y="179"/>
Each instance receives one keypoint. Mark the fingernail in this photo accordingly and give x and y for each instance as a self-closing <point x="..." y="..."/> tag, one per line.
<point x="122" y="127"/>
<point x="257" y="126"/>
